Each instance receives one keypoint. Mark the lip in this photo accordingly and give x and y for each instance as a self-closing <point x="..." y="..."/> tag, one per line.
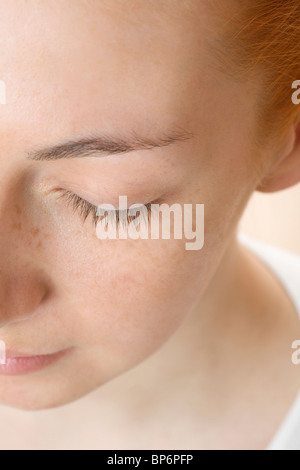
<point x="17" y="364"/>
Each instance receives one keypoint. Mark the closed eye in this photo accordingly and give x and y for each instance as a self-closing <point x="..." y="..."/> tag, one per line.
<point x="86" y="209"/>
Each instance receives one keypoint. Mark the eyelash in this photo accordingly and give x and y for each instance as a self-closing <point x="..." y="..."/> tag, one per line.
<point x="85" y="208"/>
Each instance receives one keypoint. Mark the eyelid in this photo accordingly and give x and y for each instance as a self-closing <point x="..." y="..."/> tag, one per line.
<point x="102" y="187"/>
<point x="88" y="196"/>
<point x="86" y="209"/>
<point x="97" y="200"/>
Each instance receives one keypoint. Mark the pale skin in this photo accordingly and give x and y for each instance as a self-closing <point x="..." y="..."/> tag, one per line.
<point x="179" y="349"/>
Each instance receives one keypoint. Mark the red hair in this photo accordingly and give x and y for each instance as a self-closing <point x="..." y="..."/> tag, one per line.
<point x="262" y="41"/>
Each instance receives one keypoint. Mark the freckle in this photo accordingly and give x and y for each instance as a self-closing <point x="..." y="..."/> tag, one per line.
<point x="35" y="231"/>
<point x="39" y="245"/>
<point x="18" y="210"/>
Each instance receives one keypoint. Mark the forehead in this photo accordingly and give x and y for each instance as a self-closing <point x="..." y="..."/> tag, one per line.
<point x="112" y="63"/>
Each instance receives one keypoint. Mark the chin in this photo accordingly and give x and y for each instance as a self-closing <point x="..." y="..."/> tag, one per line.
<point x="32" y="394"/>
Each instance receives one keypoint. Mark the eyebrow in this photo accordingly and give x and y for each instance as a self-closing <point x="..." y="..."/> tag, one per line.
<point x="105" y="145"/>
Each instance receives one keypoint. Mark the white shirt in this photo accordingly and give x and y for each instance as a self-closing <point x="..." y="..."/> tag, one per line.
<point x="286" y="267"/>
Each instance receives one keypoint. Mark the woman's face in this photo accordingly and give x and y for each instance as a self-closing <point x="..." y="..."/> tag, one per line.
<point x="115" y="69"/>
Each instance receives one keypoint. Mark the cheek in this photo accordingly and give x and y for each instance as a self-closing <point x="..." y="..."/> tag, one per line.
<point x="130" y="304"/>
<point x="124" y="298"/>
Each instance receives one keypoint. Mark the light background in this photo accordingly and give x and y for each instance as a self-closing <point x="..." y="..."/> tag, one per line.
<point x="274" y="219"/>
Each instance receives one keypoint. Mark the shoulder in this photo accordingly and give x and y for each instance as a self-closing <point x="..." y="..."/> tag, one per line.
<point x="286" y="267"/>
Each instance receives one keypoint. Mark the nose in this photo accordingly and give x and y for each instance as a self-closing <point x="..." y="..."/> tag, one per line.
<point x="21" y="293"/>
<point x="23" y="280"/>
